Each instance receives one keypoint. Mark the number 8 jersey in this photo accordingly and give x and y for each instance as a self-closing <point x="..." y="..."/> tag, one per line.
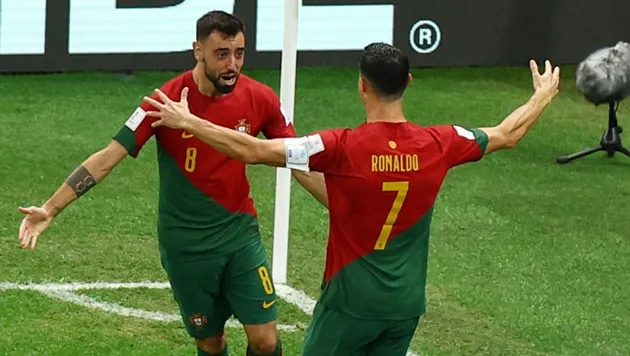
<point x="382" y="181"/>
<point x="205" y="207"/>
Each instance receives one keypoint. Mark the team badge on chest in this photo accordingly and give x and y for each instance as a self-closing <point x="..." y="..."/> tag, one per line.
<point x="243" y="126"/>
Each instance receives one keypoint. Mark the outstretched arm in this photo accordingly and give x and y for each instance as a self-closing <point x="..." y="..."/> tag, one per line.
<point x="90" y="172"/>
<point x="513" y="128"/>
<point x="463" y="145"/>
<point x="252" y="150"/>
<point x="238" y="145"/>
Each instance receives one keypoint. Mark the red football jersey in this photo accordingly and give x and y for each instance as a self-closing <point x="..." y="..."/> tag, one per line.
<point x="204" y="194"/>
<point x="382" y="181"/>
<point x="252" y="107"/>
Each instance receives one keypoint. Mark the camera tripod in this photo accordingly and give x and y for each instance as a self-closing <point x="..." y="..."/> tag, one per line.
<point x="610" y="141"/>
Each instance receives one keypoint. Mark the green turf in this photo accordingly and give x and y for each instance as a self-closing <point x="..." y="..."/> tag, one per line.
<point x="527" y="257"/>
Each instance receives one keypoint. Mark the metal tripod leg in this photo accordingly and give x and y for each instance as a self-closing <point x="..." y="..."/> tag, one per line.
<point x="576" y="155"/>
<point x="624" y="151"/>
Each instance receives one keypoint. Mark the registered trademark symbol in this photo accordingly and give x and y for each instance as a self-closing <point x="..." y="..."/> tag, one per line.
<point x="425" y="36"/>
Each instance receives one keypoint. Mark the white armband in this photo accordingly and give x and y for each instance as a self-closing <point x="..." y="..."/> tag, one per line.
<point x="298" y="151"/>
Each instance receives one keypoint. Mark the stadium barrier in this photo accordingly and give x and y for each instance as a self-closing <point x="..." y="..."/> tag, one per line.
<point x="64" y="35"/>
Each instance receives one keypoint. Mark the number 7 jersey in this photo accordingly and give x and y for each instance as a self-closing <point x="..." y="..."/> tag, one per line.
<point x="382" y="181"/>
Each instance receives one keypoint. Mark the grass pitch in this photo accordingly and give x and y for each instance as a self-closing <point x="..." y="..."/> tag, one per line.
<point x="527" y="257"/>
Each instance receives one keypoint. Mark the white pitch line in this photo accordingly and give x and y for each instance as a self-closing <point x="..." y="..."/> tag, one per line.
<point x="92" y="303"/>
<point x="296" y="297"/>
<point x="303" y="302"/>
<point x="65" y="292"/>
<point x="72" y="286"/>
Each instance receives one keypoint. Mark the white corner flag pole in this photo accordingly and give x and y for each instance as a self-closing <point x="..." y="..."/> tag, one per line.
<point x="283" y="175"/>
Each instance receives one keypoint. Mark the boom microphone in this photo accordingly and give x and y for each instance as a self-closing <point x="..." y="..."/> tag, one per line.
<point x="604" y="76"/>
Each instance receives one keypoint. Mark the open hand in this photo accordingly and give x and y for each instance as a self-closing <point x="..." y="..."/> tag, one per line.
<point x="171" y="113"/>
<point x="37" y="220"/>
<point x="549" y="81"/>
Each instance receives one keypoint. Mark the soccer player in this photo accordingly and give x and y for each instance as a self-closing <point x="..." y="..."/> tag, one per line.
<point x="208" y="231"/>
<point x="382" y="179"/>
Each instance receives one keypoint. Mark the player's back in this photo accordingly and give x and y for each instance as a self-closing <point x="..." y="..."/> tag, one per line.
<point x="382" y="183"/>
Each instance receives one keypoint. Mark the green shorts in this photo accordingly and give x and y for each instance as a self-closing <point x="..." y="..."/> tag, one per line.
<point x="209" y="291"/>
<point x="332" y="333"/>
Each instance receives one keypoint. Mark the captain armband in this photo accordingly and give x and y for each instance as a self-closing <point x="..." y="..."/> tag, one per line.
<point x="299" y="150"/>
<point x="81" y="180"/>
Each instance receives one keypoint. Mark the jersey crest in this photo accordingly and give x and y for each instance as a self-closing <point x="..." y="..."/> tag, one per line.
<point x="243" y="126"/>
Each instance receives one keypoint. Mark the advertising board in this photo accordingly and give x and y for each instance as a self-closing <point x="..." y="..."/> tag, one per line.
<point x="68" y="35"/>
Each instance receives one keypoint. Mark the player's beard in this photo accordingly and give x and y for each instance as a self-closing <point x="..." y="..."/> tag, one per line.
<point x="217" y="81"/>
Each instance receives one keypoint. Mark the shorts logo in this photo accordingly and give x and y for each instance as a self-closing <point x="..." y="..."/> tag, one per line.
<point x="242" y="126"/>
<point x="268" y="305"/>
<point x="198" y="320"/>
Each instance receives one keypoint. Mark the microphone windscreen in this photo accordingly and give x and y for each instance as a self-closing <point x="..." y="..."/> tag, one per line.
<point x="604" y="76"/>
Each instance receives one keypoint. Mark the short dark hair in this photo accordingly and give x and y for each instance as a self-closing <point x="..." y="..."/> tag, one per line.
<point x="218" y="21"/>
<point x="386" y="68"/>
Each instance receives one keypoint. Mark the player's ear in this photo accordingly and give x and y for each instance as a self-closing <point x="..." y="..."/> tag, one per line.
<point x="363" y="85"/>
<point x="409" y="79"/>
<point x="198" y="53"/>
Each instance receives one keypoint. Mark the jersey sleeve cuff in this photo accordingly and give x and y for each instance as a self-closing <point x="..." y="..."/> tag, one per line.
<point x="128" y="140"/>
<point x="482" y="140"/>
